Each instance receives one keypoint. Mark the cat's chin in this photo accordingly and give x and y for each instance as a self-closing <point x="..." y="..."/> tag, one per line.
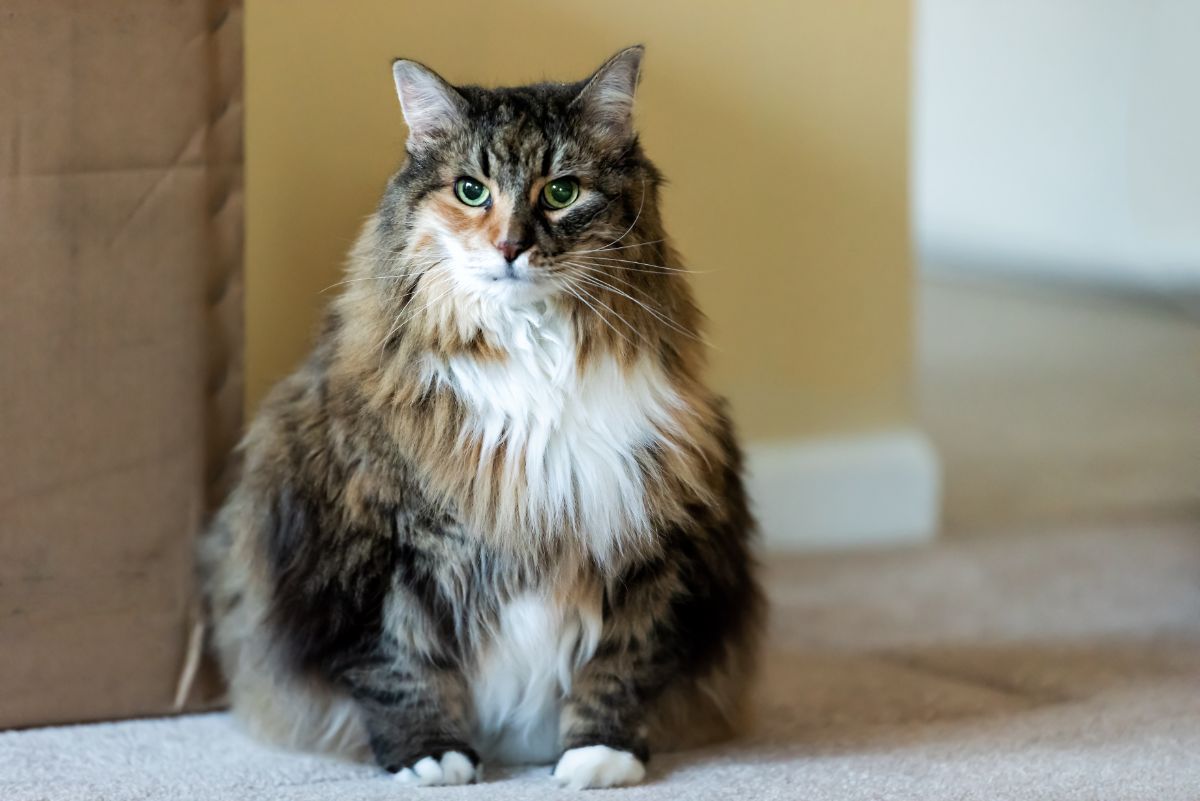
<point x="516" y="292"/>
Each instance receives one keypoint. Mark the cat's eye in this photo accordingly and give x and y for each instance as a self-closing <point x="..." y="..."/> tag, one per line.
<point x="560" y="193"/>
<point x="471" y="192"/>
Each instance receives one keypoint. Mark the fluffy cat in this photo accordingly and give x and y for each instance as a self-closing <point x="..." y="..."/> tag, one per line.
<point x="497" y="513"/>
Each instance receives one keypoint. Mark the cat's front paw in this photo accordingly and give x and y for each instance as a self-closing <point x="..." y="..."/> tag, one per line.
<point x="454" y="767"/>
<point x="598" y="766"/>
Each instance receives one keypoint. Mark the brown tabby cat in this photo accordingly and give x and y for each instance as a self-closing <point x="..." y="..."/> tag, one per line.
<point x="496" y="512"/>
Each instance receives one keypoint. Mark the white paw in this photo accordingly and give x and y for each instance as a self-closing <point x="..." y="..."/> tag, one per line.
<point x="598" y="766"/>
<point x="453" y="768"/>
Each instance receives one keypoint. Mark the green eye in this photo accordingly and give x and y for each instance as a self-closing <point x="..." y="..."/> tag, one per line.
<point x="471" y="192"/>
<point x="560" y="193"/>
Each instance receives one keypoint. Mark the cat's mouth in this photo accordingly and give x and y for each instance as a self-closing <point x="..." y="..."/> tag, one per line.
<point x="516" y="283"/>
<point x="509" y="272"/>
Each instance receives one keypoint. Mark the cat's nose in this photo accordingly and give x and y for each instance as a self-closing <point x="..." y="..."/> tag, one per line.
<point x="511" y="248"/>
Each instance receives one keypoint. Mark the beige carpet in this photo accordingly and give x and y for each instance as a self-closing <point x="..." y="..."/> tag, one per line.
<point x="1053" y="665"/>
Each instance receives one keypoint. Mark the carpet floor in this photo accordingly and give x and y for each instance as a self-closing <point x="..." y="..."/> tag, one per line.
<point x="1052" y="665"/>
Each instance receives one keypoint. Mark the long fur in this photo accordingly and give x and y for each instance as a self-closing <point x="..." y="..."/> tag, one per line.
<point x="496" y="513"/>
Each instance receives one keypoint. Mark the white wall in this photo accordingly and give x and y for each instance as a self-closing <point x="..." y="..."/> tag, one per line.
<point x="1059" y="136"/>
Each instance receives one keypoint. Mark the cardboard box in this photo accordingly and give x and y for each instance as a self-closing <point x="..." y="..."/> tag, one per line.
<point x="120" y="342"/>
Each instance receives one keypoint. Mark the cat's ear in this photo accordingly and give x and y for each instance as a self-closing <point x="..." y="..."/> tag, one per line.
<point x="606" y="99"/>
<point x="430" y="105"/>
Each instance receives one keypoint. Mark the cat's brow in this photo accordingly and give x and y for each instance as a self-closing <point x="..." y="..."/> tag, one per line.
<point x="484" y="164"/>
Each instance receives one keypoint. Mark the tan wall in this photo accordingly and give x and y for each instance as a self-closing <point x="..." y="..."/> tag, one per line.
<point x="782" y="127"/>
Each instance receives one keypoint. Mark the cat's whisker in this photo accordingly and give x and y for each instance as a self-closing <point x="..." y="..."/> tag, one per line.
<point x="576" y="291"/>
<point x="616" y="314"/>
<point x="593" y="273"/>
<point x="601" y="271"/>
<point x="371" y="278"/>
<point x="659" y="316"/>
<point x="619" y="247"/>
<point x="599" y="277"/>
<point x="623" y="268"/>
<point x="594" y="261"/>
<point x="407" y="314"/>
<point x="575" y="294"/>
<point x="414" y="265"/>
<point x="656" y="267"/>
<point x="386" y="251"/>
<point x="611" y="309"/>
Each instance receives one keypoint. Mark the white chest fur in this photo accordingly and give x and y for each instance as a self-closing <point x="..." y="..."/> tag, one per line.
<point x="570" y="437"/>
<point x="525" y="670"/>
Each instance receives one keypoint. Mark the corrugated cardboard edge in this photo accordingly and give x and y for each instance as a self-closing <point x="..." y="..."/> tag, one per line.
<point x="199" y="684"/>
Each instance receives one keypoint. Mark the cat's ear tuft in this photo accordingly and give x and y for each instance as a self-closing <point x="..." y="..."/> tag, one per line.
<point x="607" y="97"/>
<point x="430" y="105"/>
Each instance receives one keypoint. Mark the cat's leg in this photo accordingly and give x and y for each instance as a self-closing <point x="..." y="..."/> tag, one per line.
<point x="671" y="625"/>
<point x="416" y="720"/>
<point x="604" y="720"/>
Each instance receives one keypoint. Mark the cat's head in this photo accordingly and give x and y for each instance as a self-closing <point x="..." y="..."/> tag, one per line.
<point x="515" y="194"/>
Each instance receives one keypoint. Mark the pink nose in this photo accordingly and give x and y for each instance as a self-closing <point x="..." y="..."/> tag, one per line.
<point x="511" y="249"/>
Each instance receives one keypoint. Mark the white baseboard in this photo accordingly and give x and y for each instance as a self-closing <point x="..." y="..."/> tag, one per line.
<point x="880" y="488"/>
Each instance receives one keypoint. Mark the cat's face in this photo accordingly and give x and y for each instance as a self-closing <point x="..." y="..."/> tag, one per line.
<point x="508" y="191"/>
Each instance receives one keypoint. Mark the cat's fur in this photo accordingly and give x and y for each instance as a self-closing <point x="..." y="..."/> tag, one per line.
<point x="496" y="512"/>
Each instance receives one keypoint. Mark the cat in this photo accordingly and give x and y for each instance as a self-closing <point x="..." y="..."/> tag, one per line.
<point x="496" y="514"/>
